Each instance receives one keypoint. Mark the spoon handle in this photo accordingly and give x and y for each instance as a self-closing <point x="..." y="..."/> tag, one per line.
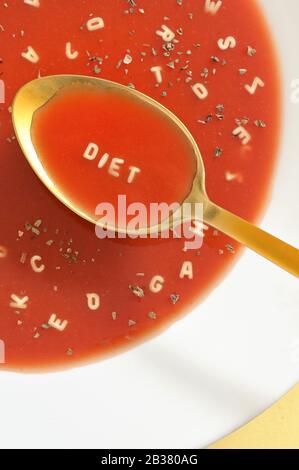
<point x="266" y="245"/>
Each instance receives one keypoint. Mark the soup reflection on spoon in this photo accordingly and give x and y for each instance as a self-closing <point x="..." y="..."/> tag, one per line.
<point x="90" y="140"/>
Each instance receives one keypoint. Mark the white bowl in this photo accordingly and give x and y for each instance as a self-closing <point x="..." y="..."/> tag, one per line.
<point x="211" y="372"/>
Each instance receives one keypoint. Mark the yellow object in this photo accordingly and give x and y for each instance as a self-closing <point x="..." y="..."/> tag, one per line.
<point x="276" y="428"/>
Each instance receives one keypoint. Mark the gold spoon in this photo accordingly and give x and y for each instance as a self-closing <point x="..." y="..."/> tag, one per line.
<point x="37" y="93"/>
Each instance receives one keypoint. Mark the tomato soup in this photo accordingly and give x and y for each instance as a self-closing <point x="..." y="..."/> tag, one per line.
<point x="67" y="297"/>
<point x="97" y="144"/>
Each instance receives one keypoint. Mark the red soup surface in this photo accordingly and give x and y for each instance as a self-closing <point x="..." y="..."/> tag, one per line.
<point x="67" y="297"/>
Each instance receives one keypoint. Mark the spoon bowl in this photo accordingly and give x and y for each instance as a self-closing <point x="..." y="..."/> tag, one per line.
<point x="36" y="94"/>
